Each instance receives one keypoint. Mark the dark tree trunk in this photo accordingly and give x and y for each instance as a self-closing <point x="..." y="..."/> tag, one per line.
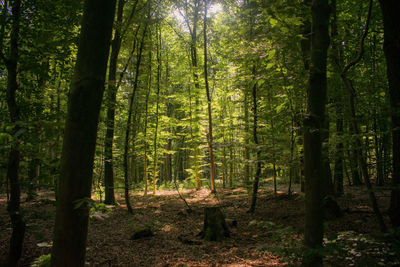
<point x="391" y="47"/>
<point x="111" y="102"/>
<point x="313" y="124"/>
<point x="13" y="207"/>
<point x="338" y="169"/>
<point x="87" y="87"/>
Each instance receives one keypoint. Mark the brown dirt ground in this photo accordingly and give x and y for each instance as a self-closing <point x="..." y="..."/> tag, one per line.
<point x="175" y="241"/>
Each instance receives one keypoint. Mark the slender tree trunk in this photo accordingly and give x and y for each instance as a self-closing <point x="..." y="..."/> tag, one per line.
<point x="193" y="132"/>
<point x="292" y="143"/>
<point x="231" y="161"/>
<point x="258" y="150"/>
<point x="130" y="110"/>
<point x="339" y="152"/>
<point x="111" y="103"/>
<point x="313" y="124"/>
<point x="338" y="169"/>
<point x="194" y="120"/>
<point x="305" y="49"/>
<point x="273" y="159"/>
<point x="391" y="48"/>
<point x="328" y="189"/>
<point x="87" y="87"/>
<point x="246" y="177"/>
<point x="146" y="117"/>
<point x="155" y="158"/>
<point x="210" y="139"/>
<point x="354" y="125"/>
<point x="378" y="154"/>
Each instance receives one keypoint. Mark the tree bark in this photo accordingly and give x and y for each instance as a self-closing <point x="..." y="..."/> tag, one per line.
<point x="146" y="117"/>
<point x="87" y="87"/>
<point x="313" y="124"/>
<point x="13" y="207"/>
<point x="111" y="102"/>
<point x="210" y="128"/>
<point x="258" y="150"/>
<point x="391" y="47"/>
<point x="155" y="158"/>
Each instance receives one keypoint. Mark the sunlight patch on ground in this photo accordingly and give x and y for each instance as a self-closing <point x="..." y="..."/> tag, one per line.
<point x="167" y="228"/>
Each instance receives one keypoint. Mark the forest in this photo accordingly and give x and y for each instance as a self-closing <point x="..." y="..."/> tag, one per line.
<point x="199" y="133"/>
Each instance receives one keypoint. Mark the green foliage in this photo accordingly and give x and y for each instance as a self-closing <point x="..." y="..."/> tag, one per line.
<point x="42" y="261"/>
<point x="97" y="211"/>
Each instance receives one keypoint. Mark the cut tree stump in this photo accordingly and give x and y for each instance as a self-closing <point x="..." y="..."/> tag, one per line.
<point x="215" y="227"/>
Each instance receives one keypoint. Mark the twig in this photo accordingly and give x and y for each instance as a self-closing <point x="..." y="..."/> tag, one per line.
<point x="184" y="200"/>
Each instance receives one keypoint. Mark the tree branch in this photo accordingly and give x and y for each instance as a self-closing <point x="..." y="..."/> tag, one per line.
<point x="361" y="53"/>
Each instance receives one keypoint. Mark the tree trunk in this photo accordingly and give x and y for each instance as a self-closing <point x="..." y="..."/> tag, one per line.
<point x="210" y="128"/>
<point x="328" y="189"/>
<point x="194" y="120"/>
<point x="305" y="49"/>
<point x="130" y="110"/>
<point x="313" y="124"/>
<point x="354" y="125"/>
<point x="87" y="87"/>
<point x="13" y="207"/>
<point x="258" y="150"/>
<point x="155" y="158"/>
<point x="146" y="117"/>
<point x="246" y="177"/>
<point x="111" y="102"/>
<point x="391" y="48"/>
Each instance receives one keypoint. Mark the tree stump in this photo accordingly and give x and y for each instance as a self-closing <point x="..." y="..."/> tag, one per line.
<point x="215" y="227"/>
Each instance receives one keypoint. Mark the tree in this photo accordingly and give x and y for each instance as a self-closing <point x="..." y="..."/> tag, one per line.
<point x="391" y="48"/>
<point x="13" y="207"/>
<point x="256" y="142"/>
<point x="87" y="87"/>
<point x="111" y="101"/>
<point x="313" y="124"/>
<point x="210" y="126"/>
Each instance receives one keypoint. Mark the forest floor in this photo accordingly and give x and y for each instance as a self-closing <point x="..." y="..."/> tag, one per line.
<point x="269" y="237"/>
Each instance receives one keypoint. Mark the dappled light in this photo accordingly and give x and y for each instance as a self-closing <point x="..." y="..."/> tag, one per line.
<point x="199" y="133"/>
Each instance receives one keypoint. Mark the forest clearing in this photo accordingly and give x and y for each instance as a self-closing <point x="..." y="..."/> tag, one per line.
<point x="199" y="133"/>
<point x="271" y="236"/>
